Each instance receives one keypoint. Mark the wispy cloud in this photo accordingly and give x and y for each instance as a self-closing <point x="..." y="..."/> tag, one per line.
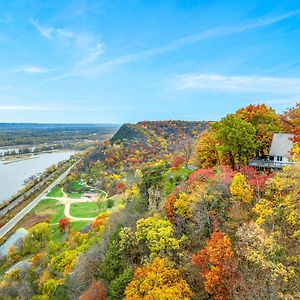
<point x="207" y="34"/>
<point x="30" y="70"/>
<point x="58" y="108"/>
<point x="84" y="44"/>
<point x="179" y="43"/>
<point x="22" y="107"/>
<point x="45" y="32"/>
<point x="93" y="54"/>
<point x="5" y="88"/>
<point x="238" y="84"/>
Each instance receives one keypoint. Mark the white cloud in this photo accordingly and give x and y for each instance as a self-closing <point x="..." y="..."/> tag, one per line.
<point x="45" y="32"/>
<point x="82" y="44"/>
<point x="93" y="54"/>
<point x="238" y="84"/>
<point x="210" y="33"/>
<point x="30" y="70"/>
<point x="21" y="107"/>
<point x="177" y="44"/>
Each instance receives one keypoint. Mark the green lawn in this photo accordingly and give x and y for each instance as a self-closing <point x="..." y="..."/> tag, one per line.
<point x="84" y="210"/>
<point x="52" y="208"/>
<point x="76" y="186"/>
<point x="58" y="237"/>
<point x="55" y="192"/>
<point x="75" y="195"/>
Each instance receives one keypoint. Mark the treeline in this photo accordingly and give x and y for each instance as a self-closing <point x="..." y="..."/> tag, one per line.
<point x="245" y="134"/>
<point x="23" y="134"/>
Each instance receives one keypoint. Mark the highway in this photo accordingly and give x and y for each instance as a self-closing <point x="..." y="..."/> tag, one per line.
<point x="10" y="224"/>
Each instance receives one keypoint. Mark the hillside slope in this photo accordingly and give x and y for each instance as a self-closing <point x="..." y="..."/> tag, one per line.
<point x="148" y="131"/>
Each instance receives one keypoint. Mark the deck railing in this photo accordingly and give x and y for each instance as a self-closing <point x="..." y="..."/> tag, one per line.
<point x="264" y="163"/>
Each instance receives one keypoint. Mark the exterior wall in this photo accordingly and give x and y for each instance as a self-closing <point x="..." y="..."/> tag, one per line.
<point x="284" y="159"/>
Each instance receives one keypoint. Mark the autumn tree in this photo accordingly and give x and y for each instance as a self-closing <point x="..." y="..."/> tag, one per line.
<point x="237" y="139"/>
<point x="217" y="266"/>
<point x="96" y="291"/>
<point x="240" y="191"/>
<point x="291" y="118"/>
<point x="156" y="235"/>
<point x="207" y="153"/>
<point x="100" y="201"/>
<point x="265" y="121"/>
<point x="37" y="238"/>
<point x="266" y="272"/>
<point x="158" y="281"/>
<point x="64" y="224"/>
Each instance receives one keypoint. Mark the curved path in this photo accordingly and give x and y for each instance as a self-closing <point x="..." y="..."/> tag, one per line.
<point x="67" y="201"/>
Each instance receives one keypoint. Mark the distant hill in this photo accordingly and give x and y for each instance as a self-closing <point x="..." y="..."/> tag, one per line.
<point x="152" y="131"/>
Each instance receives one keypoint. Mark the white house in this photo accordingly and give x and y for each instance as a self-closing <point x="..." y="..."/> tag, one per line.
<point x="279" y="155"/>
<point x="281" y="148"/>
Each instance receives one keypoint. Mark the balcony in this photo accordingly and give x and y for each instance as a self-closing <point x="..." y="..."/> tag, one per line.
<point x="266" y="163"/>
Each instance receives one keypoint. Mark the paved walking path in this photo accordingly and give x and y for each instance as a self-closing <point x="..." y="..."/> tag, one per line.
<point x="68" y="201"/>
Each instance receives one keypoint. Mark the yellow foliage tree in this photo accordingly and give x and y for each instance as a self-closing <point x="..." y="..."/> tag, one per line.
<point x="158" y="281"/>
<point x="158" y="235"/>
<point x="240" y="191"/>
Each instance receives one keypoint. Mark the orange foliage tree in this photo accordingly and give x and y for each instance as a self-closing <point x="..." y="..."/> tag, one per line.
<point x="99" y="221"/>
<point x="158" y="281"/>
<point x="217" y="266"/>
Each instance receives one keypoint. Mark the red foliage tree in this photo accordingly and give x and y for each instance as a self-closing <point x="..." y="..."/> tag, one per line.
<point x="169" y="207"/>
<point x="178" y="161"/>
<point x="217" y="266"/>
<point x="64" y="224"/>
<point x="201" y="175"/>
<point x="121" y="187"/>
<point x="96" y="291"/>
<point x="296" y="132"/>
<point x="256" y="179"/>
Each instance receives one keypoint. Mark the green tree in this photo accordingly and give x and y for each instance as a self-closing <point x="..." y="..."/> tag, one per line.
<point x="265" y="121"/>
<point x="117" y="287"/>
<point x="237" y="139"/>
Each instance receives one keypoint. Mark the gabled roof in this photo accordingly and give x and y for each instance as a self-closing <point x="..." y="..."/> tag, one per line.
<point x="281" y="144"/>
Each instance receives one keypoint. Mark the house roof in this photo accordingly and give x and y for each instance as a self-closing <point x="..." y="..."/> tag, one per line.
<point x="281" y="144"/>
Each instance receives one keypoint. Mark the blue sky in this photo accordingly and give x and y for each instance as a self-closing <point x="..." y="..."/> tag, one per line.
<point x="126" y="61"/>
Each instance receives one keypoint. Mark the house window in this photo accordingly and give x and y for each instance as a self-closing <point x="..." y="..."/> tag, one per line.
<point x="279" y="158"/>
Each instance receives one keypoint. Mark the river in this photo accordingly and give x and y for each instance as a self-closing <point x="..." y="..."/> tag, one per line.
<point x="12" y="175"/>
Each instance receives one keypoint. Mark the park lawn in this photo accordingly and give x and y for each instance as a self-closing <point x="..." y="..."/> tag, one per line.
<point x="76" y="186"/>
<point x="75" y="195"/>
<point x="52" y="208"/>
<point x="84" y="210"/>
<point x="59" y="237"/>
<point x="55" y="192"/>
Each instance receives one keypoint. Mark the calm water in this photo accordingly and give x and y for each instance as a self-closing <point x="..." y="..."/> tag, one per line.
<point x="20" y="233"/>
<point x="12" y="175"/>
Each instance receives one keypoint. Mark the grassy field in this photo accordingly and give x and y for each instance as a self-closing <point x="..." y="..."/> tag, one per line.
<point x="84" y="210"/>
<point x="52" y="208"/>
<point x="59" y="237"/>
<point x="76" y="186"/>
<point x="75" y="195"/>
<point x="55" y="192"/>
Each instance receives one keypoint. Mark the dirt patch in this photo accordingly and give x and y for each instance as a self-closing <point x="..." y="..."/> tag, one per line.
<point x="33" y="219"/>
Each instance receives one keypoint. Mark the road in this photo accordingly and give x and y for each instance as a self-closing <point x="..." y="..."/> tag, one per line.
<point x="10" y="224"/>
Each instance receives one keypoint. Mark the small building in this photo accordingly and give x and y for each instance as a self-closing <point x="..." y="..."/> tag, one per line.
<point x="279" y="155"/>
